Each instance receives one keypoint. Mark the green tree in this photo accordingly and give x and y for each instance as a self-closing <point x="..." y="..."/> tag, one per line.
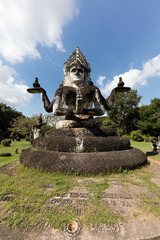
<point x="149" y="122"/>
<point x="7" y="114"/>
<point x="106" y="122"/>
<point x="124" y="112"/>
<point x="22" y="126"/>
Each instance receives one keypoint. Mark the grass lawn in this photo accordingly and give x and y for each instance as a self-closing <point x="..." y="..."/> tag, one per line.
<point x="25" y="200"/>
<point x="25" y="193"/>
<point x="144" y="147"/>
<point x="22" y="144"/>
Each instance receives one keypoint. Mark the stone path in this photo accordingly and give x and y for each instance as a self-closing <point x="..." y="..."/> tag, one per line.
<point x="123" y="200"/>
<point x="153" y="161"/>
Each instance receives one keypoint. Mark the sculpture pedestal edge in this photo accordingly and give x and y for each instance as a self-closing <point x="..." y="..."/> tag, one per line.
<point x="91" y="163"/>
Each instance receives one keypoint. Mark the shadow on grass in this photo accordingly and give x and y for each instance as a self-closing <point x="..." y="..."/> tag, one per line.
<point x="150" y="154"/>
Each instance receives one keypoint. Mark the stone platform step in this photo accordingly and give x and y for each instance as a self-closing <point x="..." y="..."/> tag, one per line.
<point x="93" y="163"/>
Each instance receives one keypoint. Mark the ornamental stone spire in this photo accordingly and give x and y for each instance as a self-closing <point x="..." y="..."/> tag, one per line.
<point x="77" y="58"/>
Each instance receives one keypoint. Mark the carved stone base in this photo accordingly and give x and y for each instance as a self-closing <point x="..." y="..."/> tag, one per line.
<point x="93" y="163"/>
<point x="82" y="150"/>
<point x="92" y="123"/>
<point x="82" y="144"/>
<point x="67" y="124"/>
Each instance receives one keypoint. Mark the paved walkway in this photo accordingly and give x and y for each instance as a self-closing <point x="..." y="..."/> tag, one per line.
<point x="154" y="161"/>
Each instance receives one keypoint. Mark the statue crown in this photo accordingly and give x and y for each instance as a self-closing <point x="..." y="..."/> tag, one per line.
<point x="77" y="58"/>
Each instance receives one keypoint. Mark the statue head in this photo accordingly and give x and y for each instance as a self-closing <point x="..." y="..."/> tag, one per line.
<point x="76" y="70"/>
<point x="76" y="74"/>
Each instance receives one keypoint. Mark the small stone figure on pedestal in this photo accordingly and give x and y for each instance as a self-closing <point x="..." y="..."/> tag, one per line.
<point x="154" y="147"/>
<point x="37" y="127"/>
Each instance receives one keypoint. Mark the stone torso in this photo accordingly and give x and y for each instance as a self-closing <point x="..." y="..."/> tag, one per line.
<point x="69" y="94"/>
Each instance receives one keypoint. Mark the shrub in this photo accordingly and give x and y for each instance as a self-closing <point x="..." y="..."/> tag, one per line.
<point x="30" y="139"/>
<point x="137" y="136"/>
<point x="153" y="139"/>
<point x="126" y="136"/>
<point x="45" y="129"/>
<point x="27" y="138"/>
<point x="6" y="142"/>
<point x="147" y="138"/>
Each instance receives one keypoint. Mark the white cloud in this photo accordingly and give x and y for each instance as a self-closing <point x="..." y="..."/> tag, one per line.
<point x="12" y="93"/>
<point x="100" y="80"/>
<point x="26" y="23"/>
<point x="134" y="78"/>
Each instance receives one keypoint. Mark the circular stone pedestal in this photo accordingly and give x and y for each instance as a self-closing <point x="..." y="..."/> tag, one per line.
<point x="82" y="150"/>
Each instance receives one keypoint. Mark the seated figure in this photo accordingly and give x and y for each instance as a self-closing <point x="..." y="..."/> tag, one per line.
<point x="77" y="97"/>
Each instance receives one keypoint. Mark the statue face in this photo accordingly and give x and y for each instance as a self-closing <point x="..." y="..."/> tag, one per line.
<point x="77" y="75"/>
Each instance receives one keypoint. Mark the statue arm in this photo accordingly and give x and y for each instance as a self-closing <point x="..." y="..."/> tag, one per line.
<point x="111" y="98"/>
<point x="100" y="103"/>
<point x="55" y="104"/>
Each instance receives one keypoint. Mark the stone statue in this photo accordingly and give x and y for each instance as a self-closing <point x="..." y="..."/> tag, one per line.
<point x="77" y="97"/>
<point x="37" y="127"/>
<point x="78" y="144"/>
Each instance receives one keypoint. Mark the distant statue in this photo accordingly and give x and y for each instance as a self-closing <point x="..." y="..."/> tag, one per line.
<point x="37" y="127"/>
<point x="16" y="151"/>
<point x="154" y="147"/>
<point x="77" y="97"/>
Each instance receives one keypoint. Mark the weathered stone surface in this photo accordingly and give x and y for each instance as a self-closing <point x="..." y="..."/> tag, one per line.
<point x="81" y="123"/>
<point x="82" y="144"/>
<point x="132" y="230"/>
<point x="80" y="132"/>
<point x="67" y="124"/>
<point x="99" y="162"/>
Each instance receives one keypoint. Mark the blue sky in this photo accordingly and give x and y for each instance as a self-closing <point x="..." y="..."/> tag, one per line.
<point x="118" y="38"/>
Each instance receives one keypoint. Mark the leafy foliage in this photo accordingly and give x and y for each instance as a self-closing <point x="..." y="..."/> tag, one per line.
<point x="7" y="114"/>
<point x="22" y="126"/>
<point x="137" y="136"/>
<point x="149" y="122"/>
<point x="124" y="112"/>
<point x="106" y="122"/>
<point x="46" y="128"/>
<point x="6" y="142"/>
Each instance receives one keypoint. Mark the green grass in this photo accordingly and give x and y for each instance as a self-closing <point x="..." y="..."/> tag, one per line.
<point x="144" y="147"/>
<point x="24" y="201"/>
<point x="11" y="149"/>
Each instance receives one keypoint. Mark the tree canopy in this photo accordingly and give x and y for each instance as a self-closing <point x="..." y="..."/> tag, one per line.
<point x="7" y="114"/>
<point x="22" y="126"/>
<point x="149" y="122"/>
<point x="124" y="112"/>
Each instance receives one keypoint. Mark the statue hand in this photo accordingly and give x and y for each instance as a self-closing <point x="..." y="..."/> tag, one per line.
<point x="79" y="102"/>
<point x="42" y="90"/>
